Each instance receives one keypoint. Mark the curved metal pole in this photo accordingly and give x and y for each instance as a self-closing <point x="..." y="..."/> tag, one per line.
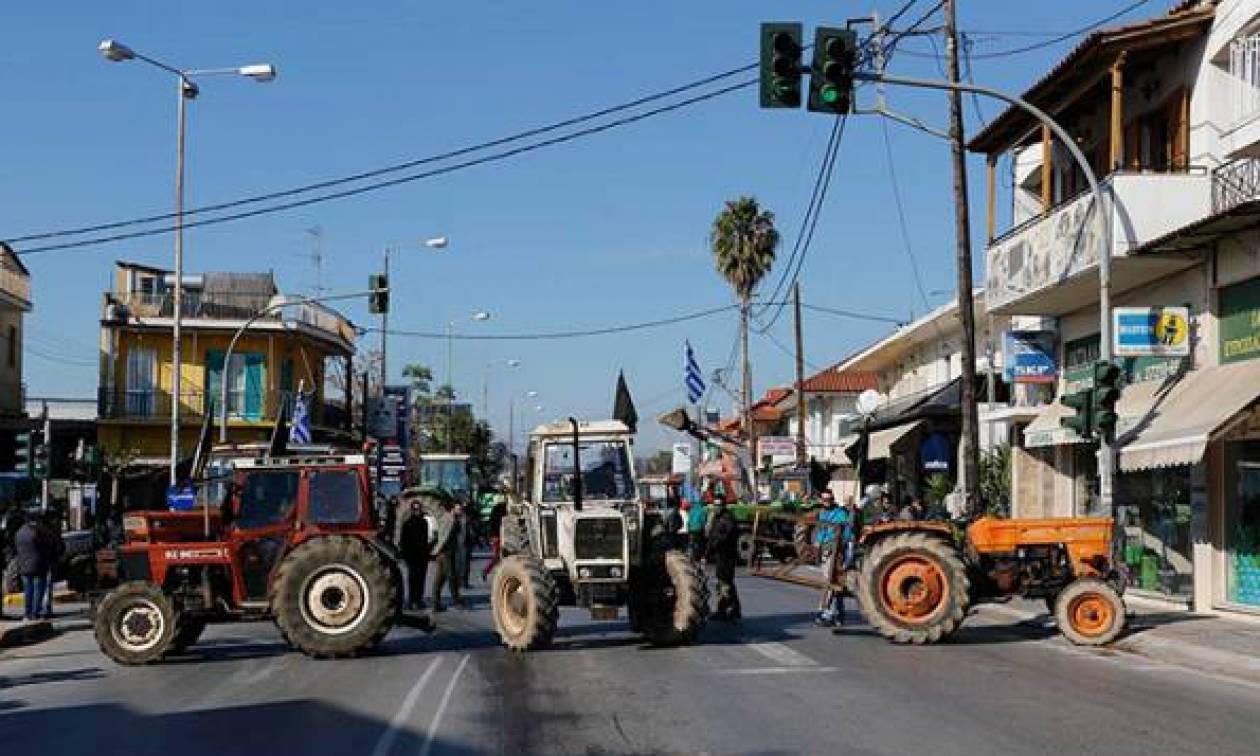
<point x="227" y="356"/>
<point x="1106" y="455"/>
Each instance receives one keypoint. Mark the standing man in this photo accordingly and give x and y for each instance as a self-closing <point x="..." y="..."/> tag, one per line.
<point x="834" y="537"/>
<point x="723" y="550"/>
<point x="414" y="545"/>
<point x="493" y="525"/>
<point x="34" y="555"/>
<point x="472" y="538"/>
<point x="57" y="550"/>
<point x="697" y="520"/>
<point x="447" y="554"/>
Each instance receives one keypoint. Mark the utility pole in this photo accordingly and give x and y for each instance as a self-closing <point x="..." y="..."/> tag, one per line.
<point x="750" y="431"/>
<point x="966" y="309"/>
<point x="801" y="456"/>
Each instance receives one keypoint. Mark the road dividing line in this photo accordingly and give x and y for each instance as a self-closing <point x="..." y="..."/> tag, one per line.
<point x="401" y="716"/>
<point x="441" y="709"/>
<point x="777" y="652"/>
<point x="777" y="670"/>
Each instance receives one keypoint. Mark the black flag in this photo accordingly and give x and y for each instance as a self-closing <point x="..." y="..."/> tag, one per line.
<point x="623" y="404"/>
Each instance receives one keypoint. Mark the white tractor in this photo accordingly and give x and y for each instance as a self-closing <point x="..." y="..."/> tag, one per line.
<point x="581" y="537"/>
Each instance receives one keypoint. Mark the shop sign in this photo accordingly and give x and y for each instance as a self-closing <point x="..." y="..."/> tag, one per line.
<point x="1151" y="331"/>
<point x="681" y="462"/>
<point x="1079" y="356"/>
<point x="776" y="446"/>
<point x="1029" y="357"/>
<point x="935" y="453"/>
<point x="1240" y="321"/>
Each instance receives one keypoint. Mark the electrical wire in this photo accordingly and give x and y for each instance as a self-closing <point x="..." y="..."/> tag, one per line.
<point x="376" y="186"/>
<point x="555" y="335"/>
<point x="852" y="315"/>
<point x="901" y="215"/>
<point x="396" y="167"/>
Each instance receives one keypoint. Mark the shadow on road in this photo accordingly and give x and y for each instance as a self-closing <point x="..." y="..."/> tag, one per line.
<point x="38" y="678"/>
<point x="294" y="726"/>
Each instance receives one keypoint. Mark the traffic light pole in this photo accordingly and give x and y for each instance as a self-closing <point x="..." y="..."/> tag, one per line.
<point x="384" y="330"/>
<point x="1106" y="453"/>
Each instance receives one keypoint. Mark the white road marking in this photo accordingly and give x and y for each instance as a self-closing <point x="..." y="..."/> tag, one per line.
<point x="446" y="699"/>
<point x="386" y="741"/>
<point x="777" y="670"/>
<point x="777" y="652"/>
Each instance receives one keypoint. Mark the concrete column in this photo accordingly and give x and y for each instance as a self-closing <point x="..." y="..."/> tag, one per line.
<point x="1202" y="548"/>
<point x="1047" y="169"/>
<point x="1117" y="113"/>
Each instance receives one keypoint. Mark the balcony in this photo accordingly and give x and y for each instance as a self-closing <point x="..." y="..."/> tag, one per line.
<point x="233" y="307"/>
<point x="1048" y="265"/>
<point x="244" y="408"/>
<point x="1234" y="183"/>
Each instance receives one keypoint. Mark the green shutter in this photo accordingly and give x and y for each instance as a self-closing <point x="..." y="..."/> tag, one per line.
<point x="214" y="379"/>
<point x="255" y="382"/>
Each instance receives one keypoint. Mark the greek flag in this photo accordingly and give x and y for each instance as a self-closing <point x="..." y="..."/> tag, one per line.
<point x="693" y="377"/>
<point x="300" y="428"/>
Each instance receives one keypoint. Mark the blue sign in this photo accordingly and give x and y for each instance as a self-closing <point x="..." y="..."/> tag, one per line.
<point x="1029" y="357"/>
<point x="935" y="453"/>
<point x="1151" y="331"/>
<point x="180" y="499"/>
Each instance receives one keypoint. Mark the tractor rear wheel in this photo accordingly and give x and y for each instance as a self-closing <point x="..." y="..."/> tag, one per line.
<point x="525" y="601"/>
<point x="1089" y="612"/>
<point x="670" y="603"/>
<point x="334" y="597"/>
<point x="136" y="623"/>
<point x="913" y="588"/>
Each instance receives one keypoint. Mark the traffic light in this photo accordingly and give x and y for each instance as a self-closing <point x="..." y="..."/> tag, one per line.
<point x="831" y="76"/>
<point x="378" y="300"/>
<point x="39" y="456"/>
<point x="1083" y="421"/>
<point x="1107" y="377"/>
<point x="23" y="454"/>
<point x="781" y="65"/>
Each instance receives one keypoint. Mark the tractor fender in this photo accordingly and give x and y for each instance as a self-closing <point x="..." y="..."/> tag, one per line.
<point x="872" y="533"/>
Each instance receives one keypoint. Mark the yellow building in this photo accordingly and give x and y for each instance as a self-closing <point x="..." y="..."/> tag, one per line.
<point x="298" y="346"/>
<point x="15" y="302"/>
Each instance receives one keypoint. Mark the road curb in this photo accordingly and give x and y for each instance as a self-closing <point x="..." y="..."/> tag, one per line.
<point x="25" y="633"/>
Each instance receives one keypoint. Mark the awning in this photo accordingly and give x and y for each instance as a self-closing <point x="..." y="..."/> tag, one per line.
<point x="1164" y="423"/>
<point x="1187" y="414"/>
<point x="883" y="441"/>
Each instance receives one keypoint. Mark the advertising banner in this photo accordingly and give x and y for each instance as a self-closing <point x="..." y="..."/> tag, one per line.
<point x="1029" y="357"/>
<point x="1151" y="331"/>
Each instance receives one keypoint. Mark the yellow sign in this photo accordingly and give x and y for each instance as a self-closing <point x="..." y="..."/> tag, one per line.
<point x="1151" y="331"/>
<point x="1171" y="328"/>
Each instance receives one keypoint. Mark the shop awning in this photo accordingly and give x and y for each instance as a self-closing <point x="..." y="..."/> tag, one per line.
<point x="1164" y="423"/>
<point x="883" y="441"/>
<point x="1185" y="415"/>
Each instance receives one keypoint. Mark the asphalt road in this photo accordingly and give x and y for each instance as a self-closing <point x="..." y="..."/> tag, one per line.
<point x="776" y="685"/>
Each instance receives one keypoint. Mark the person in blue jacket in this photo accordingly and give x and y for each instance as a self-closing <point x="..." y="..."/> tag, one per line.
<point x="833" y="536"/>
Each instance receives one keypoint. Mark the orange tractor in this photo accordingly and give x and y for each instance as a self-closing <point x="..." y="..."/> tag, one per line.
<point x="916" y="579"/>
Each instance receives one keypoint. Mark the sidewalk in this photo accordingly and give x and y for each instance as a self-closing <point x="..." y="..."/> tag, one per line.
<point x="1217" y="645"/>
<point x="16" y="632"/>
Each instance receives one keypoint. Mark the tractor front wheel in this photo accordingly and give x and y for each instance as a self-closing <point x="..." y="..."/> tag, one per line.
<point x="1089" y="612"/>
<point x="136" y="623"/>
<point x="913" y="588"/>
<point x="188" y="633"/>
<point x="334" y="597"/>
<point x="525" y="601"/>
<point x="669" y="603"/>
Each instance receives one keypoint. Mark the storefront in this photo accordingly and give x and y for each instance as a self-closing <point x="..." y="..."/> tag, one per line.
<point x="1239" y="319"/>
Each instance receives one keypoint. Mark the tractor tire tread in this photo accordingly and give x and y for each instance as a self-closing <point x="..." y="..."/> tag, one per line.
<point x="948" y="620"/>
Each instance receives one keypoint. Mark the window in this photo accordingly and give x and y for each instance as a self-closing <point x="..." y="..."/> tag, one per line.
<point x="333" y="497"/>
<point x="1154" y="513"/>
<point x="247" y="375"/>
<point x="141" y="370"/>
<point x="267" y="498"/>
<point x="447" y="474"/>
<point x="605" y="471"/>
<point x="1244" y="66"/>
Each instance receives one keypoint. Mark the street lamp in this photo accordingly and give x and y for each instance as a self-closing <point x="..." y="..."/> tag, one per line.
<point x="478" y="316"/>
<point x="436" y="242"/>
<point x="116" y="52"/>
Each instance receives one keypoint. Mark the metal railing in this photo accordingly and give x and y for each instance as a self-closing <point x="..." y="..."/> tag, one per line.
<point x="243" y="405"/>
<point x="1234" y="183"/>
<point x="223" y="306"/>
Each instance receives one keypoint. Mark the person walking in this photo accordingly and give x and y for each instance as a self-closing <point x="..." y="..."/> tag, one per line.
<point x="472" y="539"/>
<point x="448" y="568"/>
<point x="722" y="548"/>
<point x="414" y="546"/>
<point x="697" y="523"/>
<point x="675" y="523"/>
<point x="52" y="532"/>
<point x="494" y="523"/>
<point x="835" y="537"/>
<point x="33" y="552"/>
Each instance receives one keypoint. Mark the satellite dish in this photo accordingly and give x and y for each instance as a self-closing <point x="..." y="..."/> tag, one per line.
<point x="867" y="401"/>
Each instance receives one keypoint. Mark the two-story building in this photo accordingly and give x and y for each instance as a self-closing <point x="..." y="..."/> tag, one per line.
<point x="1166" y="111"/>
<point x="830" y="402"/>
<point x="15" y="302"/>
<point x="287" y="348"/>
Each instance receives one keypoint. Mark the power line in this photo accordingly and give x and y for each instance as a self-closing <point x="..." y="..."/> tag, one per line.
<point x="901" y="215"/>
<point x="396" y="167"/>
<point x="376" y="186"/>
<point x="555" y="335"/>
<point x="852" y="314"/>
<point x="787" y="351"/>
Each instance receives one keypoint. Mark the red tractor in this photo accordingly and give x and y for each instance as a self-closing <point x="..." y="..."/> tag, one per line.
<point x="293" y="540"/>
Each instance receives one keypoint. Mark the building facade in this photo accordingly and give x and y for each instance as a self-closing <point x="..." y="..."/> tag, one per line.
<point x="1165" y="110"/>
<point x="15" y="302"/>
<point x="295" y="347"/>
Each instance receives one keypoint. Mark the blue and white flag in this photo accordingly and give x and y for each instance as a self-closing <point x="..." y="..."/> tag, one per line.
<point x="300" y="428"/>
<point x="693" y="377"/>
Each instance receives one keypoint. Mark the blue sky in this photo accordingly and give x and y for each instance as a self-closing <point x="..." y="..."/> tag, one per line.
<point x="607" y="230"/>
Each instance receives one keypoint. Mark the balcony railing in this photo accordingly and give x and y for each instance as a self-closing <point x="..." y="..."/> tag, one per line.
<point x="243" y="406"/>
<point x="224" y="306"/>
<point x="1234" y="183"/>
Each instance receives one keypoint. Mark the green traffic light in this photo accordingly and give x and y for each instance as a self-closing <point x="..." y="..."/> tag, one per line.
<point x="830" y="94"/>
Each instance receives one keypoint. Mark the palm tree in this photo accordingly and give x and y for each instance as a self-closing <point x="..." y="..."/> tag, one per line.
<point x="743" y="240"/>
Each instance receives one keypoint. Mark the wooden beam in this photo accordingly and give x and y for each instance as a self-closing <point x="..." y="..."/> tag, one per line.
<point x="1047" y="169"/>
<point x="1117" y="113"/>
<point x="991" y="166"/>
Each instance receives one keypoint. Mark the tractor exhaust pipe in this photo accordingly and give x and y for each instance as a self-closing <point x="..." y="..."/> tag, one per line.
<point x="577" y="466"/>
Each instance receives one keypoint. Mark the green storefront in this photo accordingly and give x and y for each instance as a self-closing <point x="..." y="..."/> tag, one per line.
<point x="1239" y="324"/>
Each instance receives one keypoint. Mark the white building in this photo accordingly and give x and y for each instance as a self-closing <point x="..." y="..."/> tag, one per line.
<point x="1168" y="113"/>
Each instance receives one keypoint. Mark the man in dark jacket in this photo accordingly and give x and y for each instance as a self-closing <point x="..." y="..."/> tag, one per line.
<point x="33" y="552"/>
<point x="723" y="551"/>
<point x="414" y="546"/>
